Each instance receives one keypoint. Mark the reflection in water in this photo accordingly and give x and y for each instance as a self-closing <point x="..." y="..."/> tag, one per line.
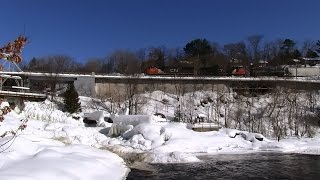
<point x="243" y="166"/>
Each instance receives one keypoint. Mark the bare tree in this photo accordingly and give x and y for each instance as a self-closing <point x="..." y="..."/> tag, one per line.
<point x="93" y="65"/>
<point x="254" y="43"/>
<point x="271" y="50"/>
<point x="126" y="62"/>
<point x="175" y="55"/>
<point x="236" y="53"/>
<point x="53" y="66"/>
<point x="307" y="46"/>
<point x="158" y="55"/>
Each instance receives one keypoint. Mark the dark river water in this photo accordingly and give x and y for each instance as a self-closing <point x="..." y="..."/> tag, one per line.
<point x="243" y="166"/>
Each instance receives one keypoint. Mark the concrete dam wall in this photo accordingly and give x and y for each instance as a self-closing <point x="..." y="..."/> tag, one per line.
<point x="126" y="89"/>
<point x="126" y="86"/>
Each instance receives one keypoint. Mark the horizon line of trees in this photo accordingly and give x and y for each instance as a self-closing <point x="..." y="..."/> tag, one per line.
<point x="198" y="52"/>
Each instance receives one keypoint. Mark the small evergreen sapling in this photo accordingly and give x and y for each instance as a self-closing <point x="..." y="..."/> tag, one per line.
<point x="71" y="99"/>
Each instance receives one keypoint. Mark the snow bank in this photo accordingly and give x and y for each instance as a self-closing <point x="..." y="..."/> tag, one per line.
<point x="138" y="131"/>
<point x="46" y="121"/>
<point x="98" y="117"/>
<point x="45" y="111"/>
<point x="4" y="104"/>
<point x="40" y="152"/>
<point x="174" y="143"/>
<point x="125" y="123"/>
<point x="294" y="145"/>
<point x="172" y="157"/>
<point x="133" y="119"/>
<point x="49" y="130"/>
<point x="50" y="160"/>
<point x="145" y="136"/>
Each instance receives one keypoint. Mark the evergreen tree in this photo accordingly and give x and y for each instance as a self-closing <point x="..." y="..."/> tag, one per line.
<point x="287" y="46"/>
<point x="311" y="54"/>
<point x="198" y="50"/>
<point x="296" y="54"/>
<point x="288" y="52"/>
<point x="71" y="99"/>
<point x="198" y="47"/>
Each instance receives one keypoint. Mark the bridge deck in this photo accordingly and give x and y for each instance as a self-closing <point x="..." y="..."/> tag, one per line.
<point x="315" y="80"/>
<point x="99" y="84"/>
<point x="25" y="95"/>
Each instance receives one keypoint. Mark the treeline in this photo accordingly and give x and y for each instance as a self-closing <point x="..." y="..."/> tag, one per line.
<point x="198" y="52"/>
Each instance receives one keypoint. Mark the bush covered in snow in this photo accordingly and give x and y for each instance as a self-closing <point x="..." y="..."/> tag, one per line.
<point x="45" y="111"/>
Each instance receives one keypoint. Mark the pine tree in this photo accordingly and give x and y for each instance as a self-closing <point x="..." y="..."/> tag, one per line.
<point x="311" y="54"/>
<point x="71" y="99"/>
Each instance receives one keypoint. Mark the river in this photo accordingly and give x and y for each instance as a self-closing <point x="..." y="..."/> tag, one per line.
<point x="235" y="166"/>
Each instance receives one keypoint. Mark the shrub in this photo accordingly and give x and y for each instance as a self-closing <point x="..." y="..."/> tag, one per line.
<point x="71" y="99"/>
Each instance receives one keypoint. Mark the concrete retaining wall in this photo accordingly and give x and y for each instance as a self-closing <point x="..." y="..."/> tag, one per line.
<point x="124" y="90"/>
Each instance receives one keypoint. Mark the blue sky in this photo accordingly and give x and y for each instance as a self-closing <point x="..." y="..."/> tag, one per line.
<point x="94" y="28"/>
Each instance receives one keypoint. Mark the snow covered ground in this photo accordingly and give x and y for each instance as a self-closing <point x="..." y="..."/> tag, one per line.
<point x="174" y="142"/>
<point x="55" y="150"/>
<point x="56" y="146"/>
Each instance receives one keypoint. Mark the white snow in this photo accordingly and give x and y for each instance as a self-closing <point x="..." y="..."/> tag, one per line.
<point x="37" y="158"/>
<point x="99" y="118"/>
<point x="174" y="142"/>
<point x="124" y="123"/>
<point x="56" y="146"/>
<point x="49" y="149"/>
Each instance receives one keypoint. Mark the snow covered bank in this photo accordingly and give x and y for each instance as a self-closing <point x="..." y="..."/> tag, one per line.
<point x="45" y="111"/>
<point x="55" y="148"/>
<point x="294" y="145"/>
<point x="124" y="124"/>
<point x="174" y="142"/>
<point x="280" y="115"/>
<point x="52" y="135"/>
<point x="38" y="158"/>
